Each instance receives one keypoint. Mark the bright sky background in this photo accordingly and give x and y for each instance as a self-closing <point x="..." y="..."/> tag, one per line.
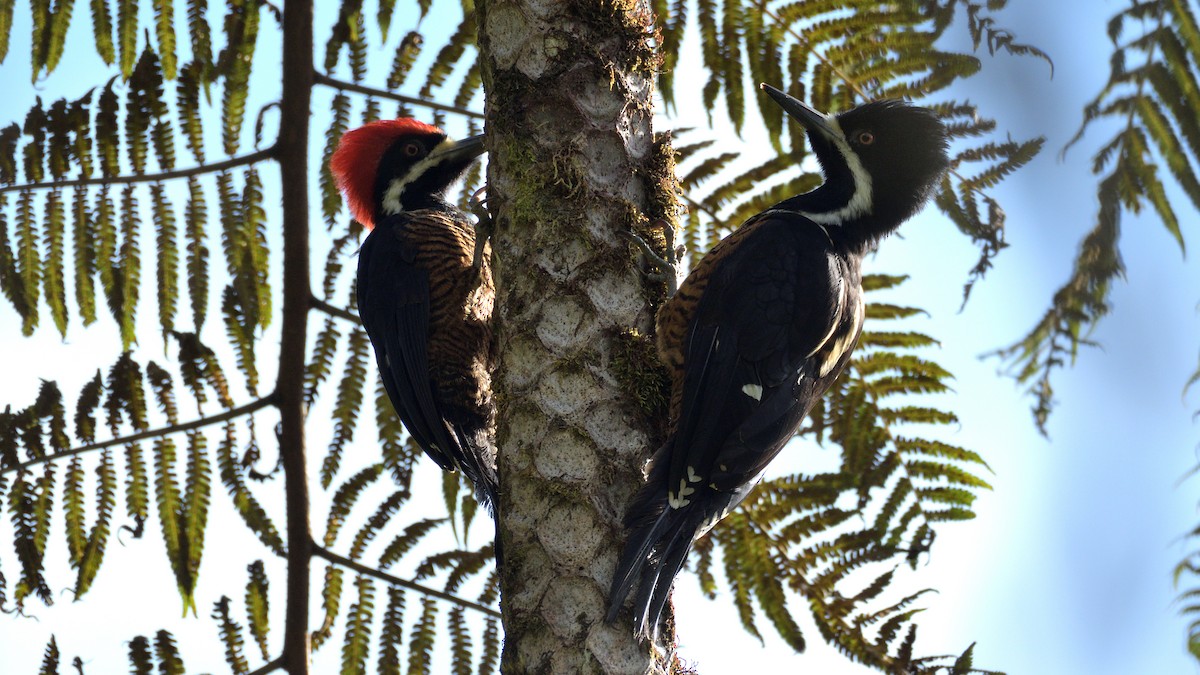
<point x="1067" y="568"/>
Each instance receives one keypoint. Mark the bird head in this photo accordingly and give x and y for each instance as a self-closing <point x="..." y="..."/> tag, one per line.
<point x="881" y="160"/>
<point x="390" y="166"/>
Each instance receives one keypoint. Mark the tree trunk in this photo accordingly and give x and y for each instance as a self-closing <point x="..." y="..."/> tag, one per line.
<point x="573" y="163"/>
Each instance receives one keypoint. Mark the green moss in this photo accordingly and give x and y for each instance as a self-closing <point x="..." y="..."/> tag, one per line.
<point x="636" y="366"/>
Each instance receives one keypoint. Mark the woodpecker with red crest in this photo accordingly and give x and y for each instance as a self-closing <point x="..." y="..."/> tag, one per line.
<point x="424" y="301"/>
<point x="763" y="325"/>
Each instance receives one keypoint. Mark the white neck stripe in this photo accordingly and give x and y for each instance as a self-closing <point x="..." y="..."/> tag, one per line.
<point x="395" y="189"/>
<point x="860" y="201"/>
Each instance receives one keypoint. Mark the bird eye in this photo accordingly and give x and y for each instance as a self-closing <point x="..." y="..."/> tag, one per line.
<point x="864" y="138"/>
<point x="412" y="149"/>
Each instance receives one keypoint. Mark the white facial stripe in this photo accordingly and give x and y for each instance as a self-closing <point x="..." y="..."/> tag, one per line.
<point x="391" y="196"/>
<point x="860" y="201"/>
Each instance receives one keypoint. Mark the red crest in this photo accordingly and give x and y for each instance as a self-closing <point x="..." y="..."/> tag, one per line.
<point x="355" y="163"/>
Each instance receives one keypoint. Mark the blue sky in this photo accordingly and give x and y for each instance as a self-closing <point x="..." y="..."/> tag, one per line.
<point x="1067" y="568"/>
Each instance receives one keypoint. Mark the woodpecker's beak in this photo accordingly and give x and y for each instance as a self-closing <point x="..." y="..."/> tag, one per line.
<point x="457" y="153"/>
<point x="810" y="118"/>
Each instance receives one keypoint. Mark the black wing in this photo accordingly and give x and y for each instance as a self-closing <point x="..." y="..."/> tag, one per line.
<point x="771" y="303"/>
<point x="393" y="303"/>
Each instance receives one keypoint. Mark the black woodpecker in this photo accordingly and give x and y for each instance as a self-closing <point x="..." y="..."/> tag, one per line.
<point x="763" y="325"/>
<point x="425" y="307"/>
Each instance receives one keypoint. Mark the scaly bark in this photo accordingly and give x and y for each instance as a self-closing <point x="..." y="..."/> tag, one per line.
<point x="573" y="163"/>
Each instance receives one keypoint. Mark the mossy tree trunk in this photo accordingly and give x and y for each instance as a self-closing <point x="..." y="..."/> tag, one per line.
<point x="573" y="163"/>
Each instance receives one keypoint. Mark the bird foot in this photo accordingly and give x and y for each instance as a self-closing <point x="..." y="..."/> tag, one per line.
<point x="483" y="229"/>
<point x="666" y="267"/>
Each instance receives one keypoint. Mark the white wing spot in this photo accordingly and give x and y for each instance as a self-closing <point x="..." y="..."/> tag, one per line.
<point x="692" y="477"/>
<point x="754" y="391"/>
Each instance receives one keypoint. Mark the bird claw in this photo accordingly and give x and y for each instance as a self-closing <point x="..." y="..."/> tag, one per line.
<point x="483" y="230"/>
<point x="666" y="266"/>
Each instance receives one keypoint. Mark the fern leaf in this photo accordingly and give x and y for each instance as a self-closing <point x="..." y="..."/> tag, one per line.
<point x="247" y="506"/>
<point x="85" y="257"/>
<point x="356" y="648"/>
<point x="169" y="660"/>
<point x="164" y="14"/>
<point x="29" y="268"/>
<point x="231" y="636"/>
<point x="6" y="22"/>
<point x="195" y="216"/>
<point x="391" y="633"/>
<point x="127" y="32"/>
<point x="187" y="105"/>
<point x="193" y="517"/>
<point x="199" y="33"/>
<point x="167" y="276"/>
<point x="241" y="33"/>
<point x="349" y="403"/>
<point x="460" y="643"/>
<point x="102" y="31"/>
<point x="406" y="55"/>
<point x="52" y="271"/>
<point x="73" y="510"/>
<point x="108" y="130"/>
<point x="331" y="595"/>
<point x="139" y="656"/>
<point x="129" y="271"/>
<point x="331" y="198"/>
<point x="424" y="636"/>
<point x="345" y="498"/>
<point x="489" y="660"/>
<point x="50" y="658"/>
<point x="449" y="56"/>
<point x="97" y="541"/>
<point x="407" y="540"/>
<point x="258" y="607"/>
<point x="320" y="364"/>
<point x="378" y="520"/>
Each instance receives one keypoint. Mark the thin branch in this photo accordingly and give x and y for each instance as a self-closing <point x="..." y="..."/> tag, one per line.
<point x="268" y="667"/>
<point x="333" y="310"/>
<point x="230" y="414"/>
<point x="268" y="153"/>
<point x="318" y="78"/>
<point x="332" y="557"/>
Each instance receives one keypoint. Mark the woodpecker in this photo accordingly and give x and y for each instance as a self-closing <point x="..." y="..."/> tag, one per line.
<point x="763" y="325"/>
<point x="424" y="301"/>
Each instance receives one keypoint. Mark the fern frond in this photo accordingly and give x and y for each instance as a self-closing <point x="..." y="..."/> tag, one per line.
<point x="195" y="217"/>
<point x="231" y="636"/>
<point x="331" y="595"/>
<point x="391" y="633"/>
<point x="424" y="636"/>
<point x="356" y="648"/>
<point x="164" y="15"/>
<point x="345" y="498"/>
<point x="247" y="506"/>
<point x="169" y="660"/>
<point x="349" y="403"/>
<point x="50" y="658"/>
<point x="258" y="607"/>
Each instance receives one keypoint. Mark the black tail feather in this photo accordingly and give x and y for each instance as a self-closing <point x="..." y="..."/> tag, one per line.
<point x="660" y="538"/>
<point x="479" y="468"/>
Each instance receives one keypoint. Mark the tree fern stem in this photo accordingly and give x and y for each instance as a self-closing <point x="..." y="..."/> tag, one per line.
<point x="366" y="570"/>
<point x="573" y="164"/>
<point x="230" y="414"/>
<point x="334" y="310"/>
<point x="232" y="162"/>
<point x="319" y="78"/>
<point x="295" y="110"/>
